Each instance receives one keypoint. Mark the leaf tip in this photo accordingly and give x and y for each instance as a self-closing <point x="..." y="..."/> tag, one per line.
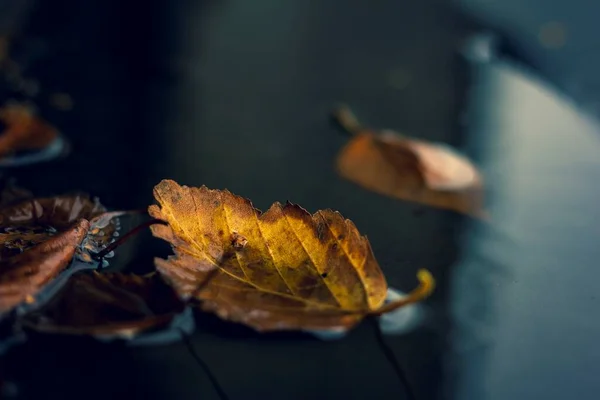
<point x="165" y="182"/>
<point x="343" y="116"/>
<point x="426" y="283"/>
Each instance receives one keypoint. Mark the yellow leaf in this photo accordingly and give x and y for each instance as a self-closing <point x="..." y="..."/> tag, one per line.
<point x="284" y="269"/>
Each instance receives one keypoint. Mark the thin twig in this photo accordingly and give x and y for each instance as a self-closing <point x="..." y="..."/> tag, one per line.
<point x="391" y="357"/>
<point x="394" y="305"/>
<point x="213" y="380"/>
<point x="102" y="253"/>
<point x="187" y="340"/>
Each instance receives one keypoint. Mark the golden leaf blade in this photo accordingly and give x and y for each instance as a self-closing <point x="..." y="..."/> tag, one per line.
<point x="284" y="269"/>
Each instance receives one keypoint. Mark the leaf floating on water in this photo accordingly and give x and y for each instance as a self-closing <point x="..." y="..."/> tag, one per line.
<point x="441" y="167"/>
<point x="29" y="222"/>
<point x="279" y="270"/>
<point x="23" y="275"/>
<point x="40" y="236"/>
<point x="409" y="169"/>
<point x="116" y="304"/>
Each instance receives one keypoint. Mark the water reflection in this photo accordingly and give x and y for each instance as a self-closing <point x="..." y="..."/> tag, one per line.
<point x="524" y="297"/>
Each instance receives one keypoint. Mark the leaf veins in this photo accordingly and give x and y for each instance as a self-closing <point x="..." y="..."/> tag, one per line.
<point x="282" y="269"/>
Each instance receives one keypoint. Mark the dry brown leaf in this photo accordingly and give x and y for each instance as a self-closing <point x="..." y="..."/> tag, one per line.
<point x="40" y="236"/>
<point x="282" y="269"/>
<point x="409" y="169"/>
<point x="24" y="130"/>
<point x="29" y="222"/>
<point x="23" y="275"/>
<point x="107" y="304"/>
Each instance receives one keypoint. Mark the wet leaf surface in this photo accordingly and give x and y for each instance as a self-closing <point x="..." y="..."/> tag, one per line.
<point x="39" y="237"/>
<point x="29" y="222"/>
<point x="25" y="274"/>
<point x="282" y="269"/>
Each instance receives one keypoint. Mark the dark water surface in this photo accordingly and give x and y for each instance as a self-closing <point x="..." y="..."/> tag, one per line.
<point x="235" y="94"/>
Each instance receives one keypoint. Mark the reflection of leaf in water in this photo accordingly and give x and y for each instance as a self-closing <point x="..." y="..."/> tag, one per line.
<point x="409" y="169"/>
<point x="282" y="269"/>
<point x="112" y="303"/>
<point x="24" y="130"/>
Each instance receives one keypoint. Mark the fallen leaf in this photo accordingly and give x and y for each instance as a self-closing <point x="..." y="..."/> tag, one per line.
<point x="409" y="169"/>
<point x="25" y="274"/>
<point x="40" y="236"/>
<point x="284" y="269"/>
<point x="32" y="221"/>
<point x="107" y="304"/>
<point x="24" y="130"/>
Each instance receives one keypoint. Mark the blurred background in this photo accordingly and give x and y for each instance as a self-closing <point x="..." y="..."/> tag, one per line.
<point x="236" y="94"/>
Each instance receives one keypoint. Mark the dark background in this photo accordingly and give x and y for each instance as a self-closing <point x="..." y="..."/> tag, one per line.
<point x="236" y="95"/>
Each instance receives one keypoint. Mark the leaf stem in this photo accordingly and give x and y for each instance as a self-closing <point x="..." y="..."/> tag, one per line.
<point x="425" y="288"/>
<point x="122" y="239"/>
<point x="345" y="118"/>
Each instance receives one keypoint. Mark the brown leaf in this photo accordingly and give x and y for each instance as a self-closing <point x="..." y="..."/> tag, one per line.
<point x="24" y="130"/>
<point x="111" y="303"/>
<point x="409" y="169"/>
<point x="23" y="275"/>
<point x="40" y="236"/>
<point x="284" y="269"/>
<point x="29" y="222"/>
